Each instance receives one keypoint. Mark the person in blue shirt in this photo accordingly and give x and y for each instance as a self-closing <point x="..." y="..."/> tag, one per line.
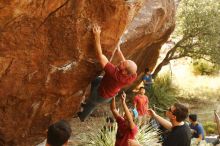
<point x="196" y="128"/>
<point x="147" y="79"/>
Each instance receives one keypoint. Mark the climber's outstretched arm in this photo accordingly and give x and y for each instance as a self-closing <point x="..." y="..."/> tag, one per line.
<point x="102" y="58"/>
<point x="120" y="54"/>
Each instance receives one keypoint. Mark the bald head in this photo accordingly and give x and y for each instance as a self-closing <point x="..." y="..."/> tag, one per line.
<point x="131" y="67"/>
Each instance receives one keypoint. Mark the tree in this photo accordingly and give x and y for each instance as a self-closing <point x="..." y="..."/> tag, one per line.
<point x="197" y="32"/>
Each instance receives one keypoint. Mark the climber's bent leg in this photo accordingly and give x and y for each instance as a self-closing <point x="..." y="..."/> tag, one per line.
<point x="93" y="100"/>
<point x="89" y="107"/>
<point x="95" y="83"/>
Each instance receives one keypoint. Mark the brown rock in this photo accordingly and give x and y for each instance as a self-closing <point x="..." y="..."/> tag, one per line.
<point x="47" y="56"/>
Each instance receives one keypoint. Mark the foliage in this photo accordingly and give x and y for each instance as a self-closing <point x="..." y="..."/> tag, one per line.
<point x="146" y="136"/>
<point x="203" y="67"/>
<point x="198" y="29"/>
<point x="197" y="32"/>
<point x="202" y="143"/>
<point x="163" y="92"/>
<point x="210" y="128"/>
<point x="103" y="137"/>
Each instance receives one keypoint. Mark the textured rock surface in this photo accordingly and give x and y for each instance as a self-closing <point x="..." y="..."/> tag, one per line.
<point x="47" y="56"/>
<point x="149" y="30"/>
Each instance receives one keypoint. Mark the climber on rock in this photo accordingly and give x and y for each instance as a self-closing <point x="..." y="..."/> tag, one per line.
<point x="103" y="89"/>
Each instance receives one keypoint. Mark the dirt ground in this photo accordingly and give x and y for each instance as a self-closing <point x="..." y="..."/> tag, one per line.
<point x="80" y="129"/>
<point x="203" y="108"/>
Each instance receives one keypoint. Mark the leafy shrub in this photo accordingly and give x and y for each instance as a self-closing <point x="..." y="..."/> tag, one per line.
<point x="210" y="128"/>
<point x="102" y="137"/>
<point x="163" y="92"/>
<point x="202" y="143"/>
<point x="202" y="67"/>
<point x="146" y="136"/>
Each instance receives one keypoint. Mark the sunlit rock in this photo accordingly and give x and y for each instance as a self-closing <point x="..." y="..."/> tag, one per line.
<point x="47" y="55"/>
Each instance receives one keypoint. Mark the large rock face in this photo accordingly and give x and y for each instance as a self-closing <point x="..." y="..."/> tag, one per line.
<point x="47" y="56"/>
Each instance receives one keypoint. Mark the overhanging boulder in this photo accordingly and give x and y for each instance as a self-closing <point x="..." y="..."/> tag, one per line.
<point x="47" y="55"/>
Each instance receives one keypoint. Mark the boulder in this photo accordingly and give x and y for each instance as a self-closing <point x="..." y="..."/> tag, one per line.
<point x="47" y="56"/>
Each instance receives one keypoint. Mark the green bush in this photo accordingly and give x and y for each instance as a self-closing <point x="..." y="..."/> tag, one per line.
<point x="146" y="136"/>
<point x="163" y="92"/>
<point x="202" y="67"/>
<point x="210" y="128"/>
